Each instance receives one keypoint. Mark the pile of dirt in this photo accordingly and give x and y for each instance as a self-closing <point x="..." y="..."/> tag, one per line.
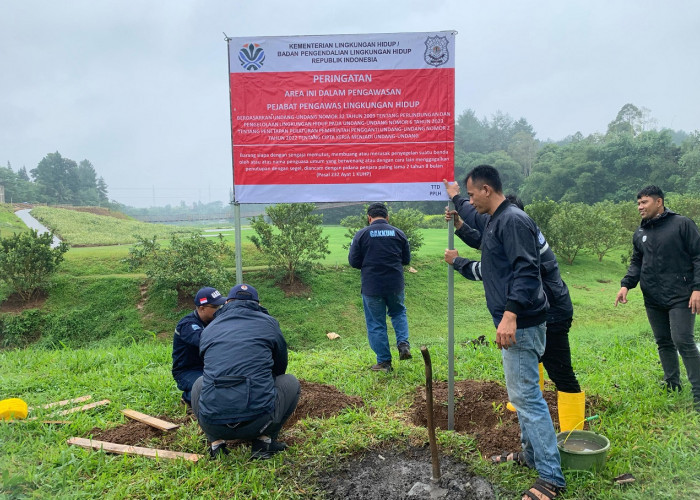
<point x="480" y="411"/>
<point x="390" y="474"/>
<point x="316" y="401"/>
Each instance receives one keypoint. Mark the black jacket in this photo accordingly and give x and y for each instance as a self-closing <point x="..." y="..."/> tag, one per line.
<point x="510" y="264"/>
<point x="186" y="345"/>
<point x="243" y="351"/>
<point x="380" y="251"/>
<point x="560" y="306"/>
<point x="666" y="260"/>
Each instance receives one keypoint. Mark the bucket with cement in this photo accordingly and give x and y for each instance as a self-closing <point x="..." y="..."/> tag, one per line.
<point x="582" y="450"/>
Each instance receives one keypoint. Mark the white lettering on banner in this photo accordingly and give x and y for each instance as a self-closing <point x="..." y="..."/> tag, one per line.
<point x="344" y="78"/>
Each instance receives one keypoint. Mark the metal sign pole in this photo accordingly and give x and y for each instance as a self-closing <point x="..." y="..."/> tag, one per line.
<point x="450" y="328"/>
<point x="236" y="204"/>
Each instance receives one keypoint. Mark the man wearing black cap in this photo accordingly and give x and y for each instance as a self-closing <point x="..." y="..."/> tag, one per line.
<point x="244" y="392"/>
<point x="380" y="251"/>
<point x="187" y="365"/>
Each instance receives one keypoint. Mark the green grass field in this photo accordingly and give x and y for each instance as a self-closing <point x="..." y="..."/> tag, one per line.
<point x="91" y="338"/>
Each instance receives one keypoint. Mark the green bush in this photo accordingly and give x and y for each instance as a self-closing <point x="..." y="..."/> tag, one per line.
<point x="293" y="240"/>
<point x="27" y="262"/>
<point x="18" y="330"/>
<point x="434" y="222"/>
<point x="186" y="265"/>
<point x="408" y="220"/>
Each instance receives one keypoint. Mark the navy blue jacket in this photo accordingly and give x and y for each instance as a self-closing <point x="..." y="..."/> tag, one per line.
<point x="186" y="345"/>
<point x="243" y="351"/>
<point x="380" y="251"/>
<point x="560" y="306"/>
<point x="510" y="264"/>
<point x="666" y="259"/>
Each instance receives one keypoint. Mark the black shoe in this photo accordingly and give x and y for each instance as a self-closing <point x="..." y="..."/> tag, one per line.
<point x="384" y="366"/>
<point x="404" y="351"/>
<point x="672" y="387"/>
<point x="262" y="450"/>
<point x="218" y="450"/>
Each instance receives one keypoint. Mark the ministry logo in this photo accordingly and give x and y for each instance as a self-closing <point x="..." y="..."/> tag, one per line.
<point x="251" y="56"/>
<point x="436" y="53"/>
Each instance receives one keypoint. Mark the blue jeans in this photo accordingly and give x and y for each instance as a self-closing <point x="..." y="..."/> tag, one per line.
<point x="538" y="438"/>
<point x="376" y="309"/>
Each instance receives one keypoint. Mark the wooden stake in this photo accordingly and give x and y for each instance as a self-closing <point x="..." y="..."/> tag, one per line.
<point x="131" y="450"/>
<point x="62" y="403"/>
<point x="82" y="408"/>
<point x="152" y="421"/>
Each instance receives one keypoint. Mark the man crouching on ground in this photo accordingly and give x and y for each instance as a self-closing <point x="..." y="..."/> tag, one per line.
<point x="244" y="392"/>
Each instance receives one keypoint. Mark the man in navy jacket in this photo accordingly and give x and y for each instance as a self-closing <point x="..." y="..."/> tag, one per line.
<point x="510" y="269"/>
<point x="244" y="392"/>
<point x="187" y="365"/>
<point x="380" y="251"/>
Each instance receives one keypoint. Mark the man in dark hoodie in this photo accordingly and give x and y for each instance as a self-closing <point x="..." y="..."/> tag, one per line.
<point x="244" y="392"/>
<point x="666" y="261"/>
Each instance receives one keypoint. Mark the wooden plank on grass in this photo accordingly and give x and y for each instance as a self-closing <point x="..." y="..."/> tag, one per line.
<point x="62" y="403"/>
<point x="124" y="449"/>
<point x="163" y="425"/>
<point x="82" y="408"/>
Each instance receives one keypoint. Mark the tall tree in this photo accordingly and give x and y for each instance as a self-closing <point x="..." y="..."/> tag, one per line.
<point x="57" y="178"/>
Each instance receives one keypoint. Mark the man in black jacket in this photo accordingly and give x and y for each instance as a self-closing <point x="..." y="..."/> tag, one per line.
<point x="557" y="354"/>
<point x="510" y="269"/>
<point x="380" y="251"/>
<point x="666" y="261"/>
<point x="244" y="392"/>
<point x="187" y="365"/>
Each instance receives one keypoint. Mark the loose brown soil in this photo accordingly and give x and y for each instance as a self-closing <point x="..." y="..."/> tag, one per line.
<point x="479" y="411"/>
<point x="15" y="304"/>
<point x="316" y="401"/>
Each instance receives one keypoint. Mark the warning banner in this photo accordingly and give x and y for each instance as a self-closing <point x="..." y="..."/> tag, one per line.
<point x="342" y="117"/>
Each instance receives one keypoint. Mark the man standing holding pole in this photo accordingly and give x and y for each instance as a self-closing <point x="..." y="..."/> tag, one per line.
<point x="515" y="298"/>
<point x="666" y="260"/>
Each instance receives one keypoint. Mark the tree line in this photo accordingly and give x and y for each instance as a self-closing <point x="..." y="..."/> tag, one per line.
<point x="612" y="166"/>
<point x="55" y="180"/>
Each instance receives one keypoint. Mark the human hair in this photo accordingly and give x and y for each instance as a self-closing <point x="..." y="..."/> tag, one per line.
<point x="515" y="200"/>
<point x="485" y="174"/>
<point x="378" y="210"/>
<point x="651" y="191"/>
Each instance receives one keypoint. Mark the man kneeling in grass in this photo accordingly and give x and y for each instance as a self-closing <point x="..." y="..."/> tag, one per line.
<point x="244" y="392"/>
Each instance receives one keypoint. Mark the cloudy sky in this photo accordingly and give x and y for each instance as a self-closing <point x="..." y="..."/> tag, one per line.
<point x="139" y="87"/>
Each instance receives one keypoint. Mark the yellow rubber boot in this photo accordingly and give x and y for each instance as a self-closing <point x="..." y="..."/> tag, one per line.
<point x="572" y="410"/>
<point x="541" y="370"/>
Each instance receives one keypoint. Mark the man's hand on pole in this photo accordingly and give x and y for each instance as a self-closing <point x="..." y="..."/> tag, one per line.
<point x="454" y="215"/>
<point x="452" y="188"/>
<point x="450" y="256"/>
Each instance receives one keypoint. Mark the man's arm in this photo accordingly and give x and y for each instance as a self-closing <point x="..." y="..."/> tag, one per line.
<point x="470" y="269"/>
<point x="355" y="254"/>
<point x="692" y="241"/>
<point x="631" y="278"/>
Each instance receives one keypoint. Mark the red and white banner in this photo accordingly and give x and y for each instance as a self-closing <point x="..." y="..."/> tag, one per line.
<point x="342" y="117"/>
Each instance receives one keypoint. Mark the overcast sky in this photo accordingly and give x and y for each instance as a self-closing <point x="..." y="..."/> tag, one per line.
<point x="139" y="87"/>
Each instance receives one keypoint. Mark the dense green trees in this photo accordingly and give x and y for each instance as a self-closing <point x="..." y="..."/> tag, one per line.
<point x="611" y="166"/>
<point x="56" y="180"/>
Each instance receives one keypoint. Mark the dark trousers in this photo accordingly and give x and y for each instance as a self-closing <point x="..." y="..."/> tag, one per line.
<point x="557" y="357"/>
<point x="268" y="424"/>
<point x="185" y="381"/>
<point x="673" y="331"/>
